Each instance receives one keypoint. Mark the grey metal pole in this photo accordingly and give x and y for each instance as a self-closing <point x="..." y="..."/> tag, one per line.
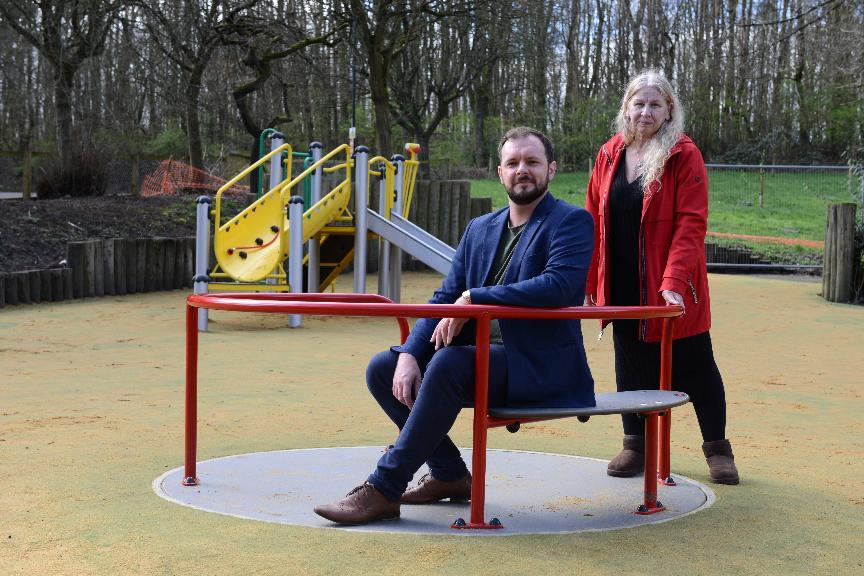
<point x="314" y="251"/>
<point x="276" y="140"/>
<point x="295" y="252"/>
<point x="383" y="245"/>
<point x="202" y="255"/>
<point x="398" y="161"/>
<point x="361" y="183"/>
<point x="395" y="275"/>
<point x="861" y="186"/>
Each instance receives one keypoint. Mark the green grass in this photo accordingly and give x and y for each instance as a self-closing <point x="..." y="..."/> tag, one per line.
<point x="793" y="204"/>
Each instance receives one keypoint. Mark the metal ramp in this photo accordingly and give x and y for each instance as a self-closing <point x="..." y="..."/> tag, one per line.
<point x="412" y="239"/>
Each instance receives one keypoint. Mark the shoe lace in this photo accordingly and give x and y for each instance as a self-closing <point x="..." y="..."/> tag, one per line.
<point x="359" y="488"/>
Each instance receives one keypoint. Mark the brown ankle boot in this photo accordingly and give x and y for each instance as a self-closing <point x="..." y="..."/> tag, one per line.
<point x="631" y="460"/>
<point x="721" y="462"/>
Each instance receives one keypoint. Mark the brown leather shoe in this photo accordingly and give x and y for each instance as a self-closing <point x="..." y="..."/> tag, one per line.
<point x="429" y="490"/>
<point x="721" y="462"/>
<point x="631" y="460"/>
<point x="361" y="505"/>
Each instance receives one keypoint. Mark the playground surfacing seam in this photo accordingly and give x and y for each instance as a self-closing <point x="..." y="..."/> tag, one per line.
<point x="91" y="412"/>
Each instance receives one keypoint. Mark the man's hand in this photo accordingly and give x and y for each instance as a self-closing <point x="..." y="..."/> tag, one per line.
<point x="673" y="298"/>
<point x="589" y="300"/>
<point x="406" y="379"/>
<point x="448" y="328"/>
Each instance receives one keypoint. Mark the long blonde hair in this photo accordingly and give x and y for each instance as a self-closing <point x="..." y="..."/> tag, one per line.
<point x="658" y="148"/>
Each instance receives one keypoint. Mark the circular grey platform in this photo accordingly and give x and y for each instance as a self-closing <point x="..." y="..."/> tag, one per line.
<point x="530" y="492"/>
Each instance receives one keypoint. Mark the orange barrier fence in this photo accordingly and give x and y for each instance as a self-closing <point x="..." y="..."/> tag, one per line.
<point x="770" y="239"/>
<point x="172" y="177"/>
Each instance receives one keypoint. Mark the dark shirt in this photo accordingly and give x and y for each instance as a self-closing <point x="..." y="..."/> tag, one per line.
<point x="625" y="214"/>
<point x="503" y="255"/>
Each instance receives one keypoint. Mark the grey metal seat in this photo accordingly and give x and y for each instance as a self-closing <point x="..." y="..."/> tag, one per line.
<point x="632" y="402"/>
<point x="650" y="403"/>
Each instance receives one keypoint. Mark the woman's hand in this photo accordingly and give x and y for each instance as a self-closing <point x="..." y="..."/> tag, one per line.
<point x="448" y="328"/>
<point x="673" y="298"/>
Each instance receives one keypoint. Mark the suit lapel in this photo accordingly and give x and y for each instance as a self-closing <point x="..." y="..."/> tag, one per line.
<point x="531" y="229"/>
<point x="491" y="237"/>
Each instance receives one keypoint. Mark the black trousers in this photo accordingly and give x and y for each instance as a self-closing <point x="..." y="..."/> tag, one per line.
<point x="694" y="372"/>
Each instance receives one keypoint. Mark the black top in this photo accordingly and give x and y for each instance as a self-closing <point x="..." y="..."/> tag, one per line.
<point x="625" y="213"/>
<point x="506" y="247"/>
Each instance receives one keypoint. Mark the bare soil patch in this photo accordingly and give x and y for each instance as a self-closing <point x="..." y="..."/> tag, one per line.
<point x="34" y="233"/>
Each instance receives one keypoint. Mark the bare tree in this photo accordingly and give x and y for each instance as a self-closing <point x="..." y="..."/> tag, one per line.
<point x="430" y="74"/>
<point x="265" y="40"/>
<point x="66" y="33"/>
<point x="188" y="33"/>
<point x="383" y="31"/>
<point x="778" y="81"/>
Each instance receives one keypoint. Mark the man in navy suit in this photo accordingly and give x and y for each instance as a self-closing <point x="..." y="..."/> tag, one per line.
<point x="535" y="252"/>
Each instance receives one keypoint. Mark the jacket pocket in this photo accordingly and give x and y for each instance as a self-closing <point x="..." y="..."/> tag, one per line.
<point x="693" y="292"/>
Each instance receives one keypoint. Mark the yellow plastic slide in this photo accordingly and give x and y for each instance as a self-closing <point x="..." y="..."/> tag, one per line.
<point x="251" y="245"/>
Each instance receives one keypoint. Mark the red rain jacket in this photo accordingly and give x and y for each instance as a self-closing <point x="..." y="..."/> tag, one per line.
<point x="671" y="236"/>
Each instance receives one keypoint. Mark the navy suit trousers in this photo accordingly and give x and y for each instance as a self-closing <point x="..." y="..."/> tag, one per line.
<point x="447" y="386"/>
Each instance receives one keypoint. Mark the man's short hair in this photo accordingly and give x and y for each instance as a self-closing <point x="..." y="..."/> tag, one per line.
<point x="522" y="132"/>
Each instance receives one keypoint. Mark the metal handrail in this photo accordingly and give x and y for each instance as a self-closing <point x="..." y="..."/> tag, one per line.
<point x="378" y="306"/>
<point x="260" y="162"/>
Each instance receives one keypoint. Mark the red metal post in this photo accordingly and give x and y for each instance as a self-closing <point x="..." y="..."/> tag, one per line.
<point x="189" y="477"/>
<point x="650" y="505"/>
<point x="481" y="409"/>
<point x="665" y="466"/>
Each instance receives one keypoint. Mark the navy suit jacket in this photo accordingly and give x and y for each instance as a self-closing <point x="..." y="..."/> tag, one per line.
<point x="546" y="363"/>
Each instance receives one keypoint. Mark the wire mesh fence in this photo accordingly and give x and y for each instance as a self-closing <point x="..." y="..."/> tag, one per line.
<point x="776" y="200"/>
<point x="11" y="172"/>
<point x="763" y="216"/>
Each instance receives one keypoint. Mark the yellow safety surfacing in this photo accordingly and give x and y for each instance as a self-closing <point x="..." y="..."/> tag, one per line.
<point x="87" y="423"/>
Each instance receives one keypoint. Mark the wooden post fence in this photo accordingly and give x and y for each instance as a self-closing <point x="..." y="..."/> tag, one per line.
<point x="838" y="266"/>
<point x="118" y="266"/>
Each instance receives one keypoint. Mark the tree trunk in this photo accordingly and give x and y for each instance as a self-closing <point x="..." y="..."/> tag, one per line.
<point x="381" y="104"/>
<point x="193" y="122"/>
<point x="424" y="170"/>
<point x="480" y="113"/>
<point x="63" y="84"/>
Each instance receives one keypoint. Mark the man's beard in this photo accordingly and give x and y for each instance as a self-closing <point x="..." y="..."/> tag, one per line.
<point x="529" y="195"/>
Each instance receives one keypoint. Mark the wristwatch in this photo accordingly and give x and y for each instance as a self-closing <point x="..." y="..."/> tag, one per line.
<point x="467" y="296"/>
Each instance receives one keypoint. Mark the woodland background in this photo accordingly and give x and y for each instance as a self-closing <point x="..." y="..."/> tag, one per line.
<point x="762" y="81"/>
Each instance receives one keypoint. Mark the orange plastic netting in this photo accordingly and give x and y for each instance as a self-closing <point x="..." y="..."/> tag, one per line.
<point x="771" y="239"/>
<point x="172" y="177"/>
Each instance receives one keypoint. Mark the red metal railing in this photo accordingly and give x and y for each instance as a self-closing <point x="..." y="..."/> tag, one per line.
<point x="372" y="305"/>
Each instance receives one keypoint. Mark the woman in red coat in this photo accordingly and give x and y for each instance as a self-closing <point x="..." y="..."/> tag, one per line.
<point x="648" y="194"/>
